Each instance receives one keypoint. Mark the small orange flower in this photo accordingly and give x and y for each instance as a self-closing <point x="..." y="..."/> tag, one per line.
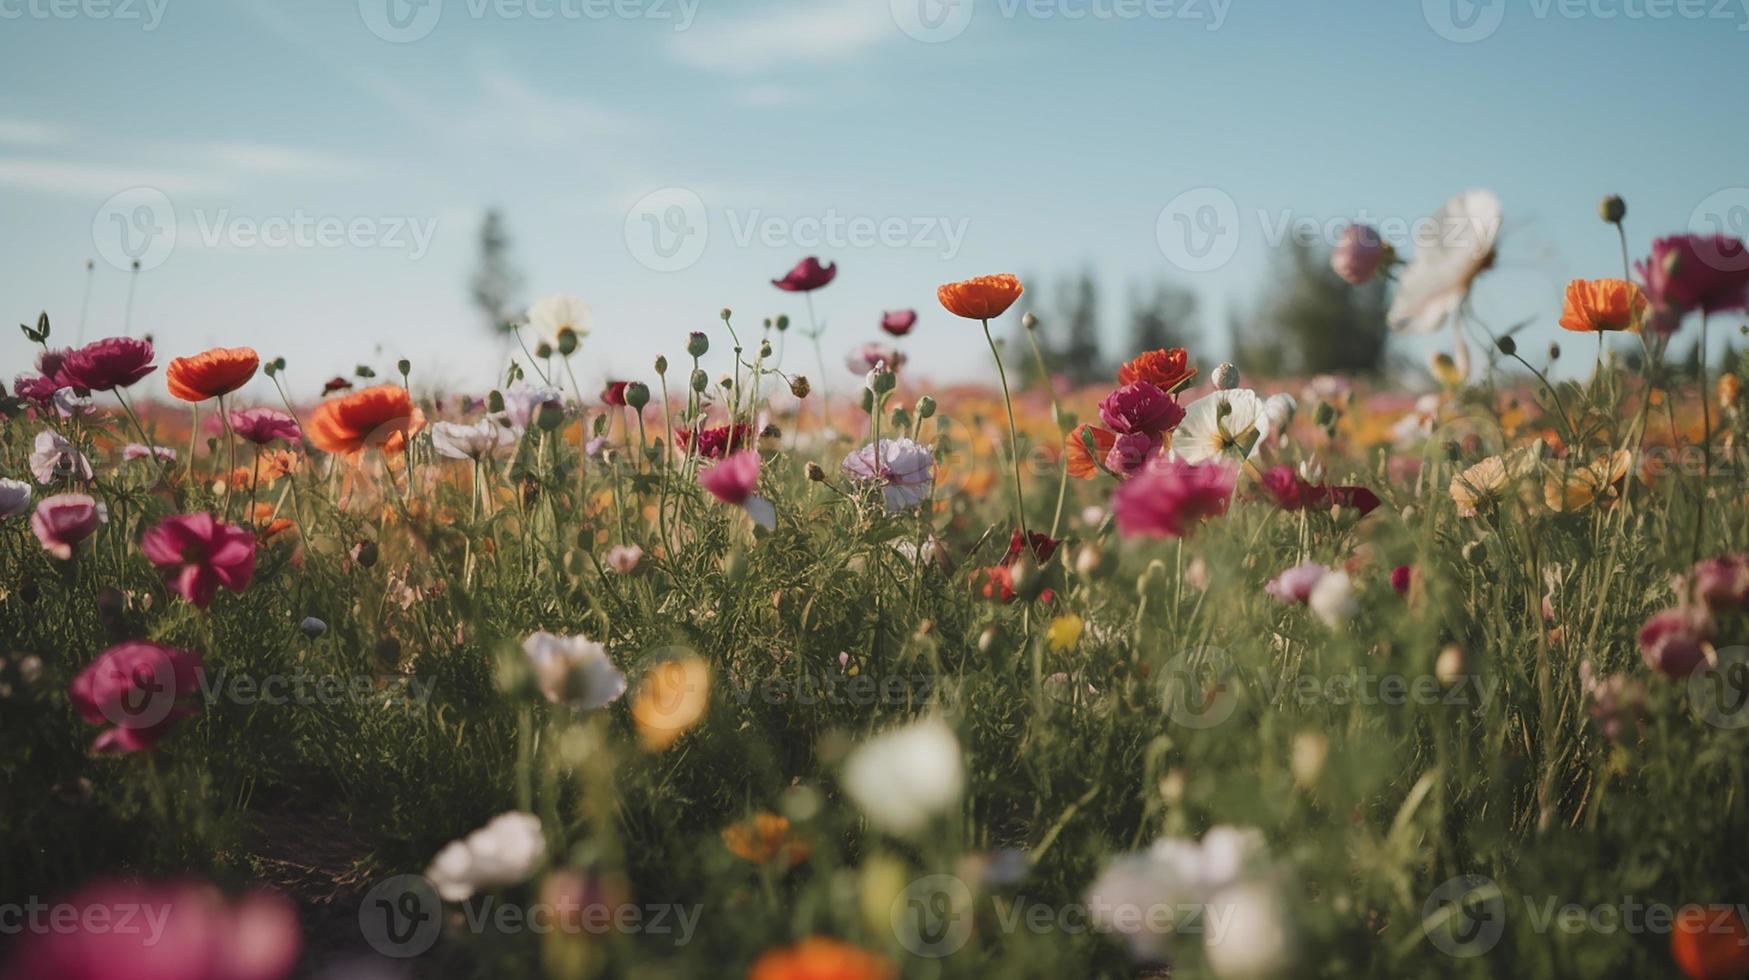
<point x="1595" y="305"/>
<point x="1710" y="943"/>
<point x="1082" y="464"/>
<point x="765" y="838"/>
<point x="212" y="373"/>
<point x="383" y="415"/>
<point x="672" y="697"/>
<point x="1729" y="388"/>
<point x="1167" y="369"/>
<point x="983" y="298"/>
<point x="819" y="958"/>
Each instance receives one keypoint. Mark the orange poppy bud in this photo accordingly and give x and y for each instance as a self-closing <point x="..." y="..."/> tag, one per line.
<point x="1595" y="305"/>
<point x="212" y="373"/>
<point x="983" y="298"/>
<point x="381" y="416"/>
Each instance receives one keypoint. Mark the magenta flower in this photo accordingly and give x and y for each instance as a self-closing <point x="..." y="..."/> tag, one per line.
<point x="898" y="322"/>
<point x="1131" y="452"/>
<point x="807" y="276"/>
<point x="1676" y="642"/>
<point x="197" y="554"/>
<point x="62" y="521"/>
<point x="1140" y="407"/>
<point x="1402" y="577"/>
<point x="866" y="358"/>
<point x="1685" y="273"/>
<point x="1720" y="583"/>
<point x="1358" y="253"/>
<point x="137" y="689"/>
<point x="104" y="365"/>
<point x="184" y="930"/>
<point x="1296" y="584"/>
<point x="733" y="481"/>
<point x="1170" y="497"/>
<point x="263" y="425"/>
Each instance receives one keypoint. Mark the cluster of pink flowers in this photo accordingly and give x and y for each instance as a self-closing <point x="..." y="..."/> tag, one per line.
<point x="102" y="365"/>
<point x="1679" y="641"/>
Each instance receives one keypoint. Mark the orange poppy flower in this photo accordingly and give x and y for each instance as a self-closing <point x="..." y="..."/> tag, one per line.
<point x="1167" y="369"/>
<point x="1710" y="943"/>
<point x="983" y="298"/>
<point x="764" y="838"/>
<point x="819" y="958"/>
<point x="384" y="415"/>
<point x="1595" y="305"/>
<point x="1082" y="464"/>
<point x="212" y="373"/>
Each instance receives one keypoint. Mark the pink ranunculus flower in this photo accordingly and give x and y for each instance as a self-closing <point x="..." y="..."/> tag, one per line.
<point x="1358" y="253"/>
<point x="733" y="481"/>
<point x="1296" y="584"/>
<point x="104" y="365"/>
<point x="808" y="275"/>
<point x="138" y="689"/>
<point x="198" y="553"/>
<point x="62" y="521"/>
<point x="1676" y="642"/>
<point x="898" y="322"/>
<point x="1171" y="497"/>
<point x="1688" y="273"/>
<point x="1140" y="407"/>
<point x="1131" y="452"/>
<point x="263" y="425"/>
<point x="187" y="930"/>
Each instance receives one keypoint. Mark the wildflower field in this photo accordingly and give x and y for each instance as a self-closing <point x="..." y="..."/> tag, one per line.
<point x="743" y="674"/>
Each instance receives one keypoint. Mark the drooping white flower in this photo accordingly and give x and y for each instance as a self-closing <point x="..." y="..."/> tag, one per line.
<point x="574" y="670"/>
<point x="1332" y="599"/>
<point x="504" y="852"/>
<point x="1451" y="250"/>
<point x="902" y="778"/>
<point x="14" y="497"/>
<point x="905" y="471"/>
<point x="481" y="440"/>
<point x="560" y="311"/>
<point x="54" y="458"/>
<point x="1224" y="424"/>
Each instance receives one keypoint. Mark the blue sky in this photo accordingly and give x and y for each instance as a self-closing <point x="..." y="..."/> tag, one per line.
<point x="1017" y="136"/>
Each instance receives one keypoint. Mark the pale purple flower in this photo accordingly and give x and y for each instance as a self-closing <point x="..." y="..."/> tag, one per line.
<point x="135" y="450"/>
<point x="56" y="459"/>
<point x="1296" y="583"/>
<point x="904" y="470"/>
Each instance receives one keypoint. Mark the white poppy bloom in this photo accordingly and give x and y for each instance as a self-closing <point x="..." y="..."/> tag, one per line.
<point x="902" y="778"/>
<point x="557" y="312"/>
<point x="54" y="458"/>
<point x="574" y="670"/>
<point x="14" y="497"/>
<point x="522" y="401"/>
<point x="481" y="440"/>
<point x="1280" y="409"/>
<point x="906" y="471"/>
<point x="1332" y="599"/>
<point x="1207" y="433"/>
<point x="1245" y="933"/>
<point x="1139" y="896"/>
<point x="504" y="852"/>
<point x="1450" y="252"/>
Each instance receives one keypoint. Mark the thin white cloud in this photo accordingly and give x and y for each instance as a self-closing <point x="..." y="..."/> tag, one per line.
<point x="84" y="179"/>
<point x="782" y="34"/>
<point x="32" y="132"/>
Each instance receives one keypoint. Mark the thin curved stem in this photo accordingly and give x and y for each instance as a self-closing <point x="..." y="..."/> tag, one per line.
<point x="1013" y="433"/>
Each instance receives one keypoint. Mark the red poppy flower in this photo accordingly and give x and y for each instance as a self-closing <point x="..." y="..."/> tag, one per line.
<point x="983" y="298"/>
<point x="1043" y="546"/>
<point x="898" y="322"/>
<point x="104" y="365"/>
<point x="375" y="416"/>
<point x="716" y="442"/>
<point x="807" y="276"/>
<point x="212" y="373"/>
<point x="615" y="393"/>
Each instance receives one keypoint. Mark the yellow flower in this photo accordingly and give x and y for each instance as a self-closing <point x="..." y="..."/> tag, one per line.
<point x="672" y="697"/>
<point x="764" y="838"/>
<point x="1584" y="484"/>
<point x="1477" y="485"/>
<point x="1064" y="632"/>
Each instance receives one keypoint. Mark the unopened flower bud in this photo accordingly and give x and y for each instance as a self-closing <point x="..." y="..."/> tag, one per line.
<point x="764" y="348"/>
<point x="365" y="553"/>
<point x="697" y="344"/>
<point x="404" y="366"/>
<point x="1613" y="209"/>
<point x="700" y="380"/>
<point x="1226" y="376"/>
<point x="550" y="416"/>
<point x="901" y="418"/>
<point x="1324" y="414"/>
<point x="1554" y="351"/>
<point x="815" y="472"/>
<point x="782" y="322"/>
<point x="1088" y="558"/>
<point x="726" y="313"/>
<point x="637" y="394"/>
<point x="312" y="627"/>
<point x="1029" y="321"/>
<point x="925" y="407"/>
<point x="567" y="341"/>
<point x="1507" y="345"/>
<point x="661" y="365"/>
<point x="799" y="386"/>
<point x="543" y="350"/>
<point x="1451" y="665"/>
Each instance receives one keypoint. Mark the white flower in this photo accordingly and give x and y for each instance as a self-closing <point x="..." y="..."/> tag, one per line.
<point x="906" y="471"/>
<point x="904" y="777"/>
<point x="557" y="312"/>
<point x="56" y="459"/>
<point x="1280" y="409"/>
<point x="1208" y="432"/>
<point x="574" y="670"/>
<point x="69" y="403"/>
<point x="1332" y="599"/>
<point x="14" y="497"/>
<point x="1245" y="933"/>
<point x="481" y="440"/>
<point x="1140" y="896"/>
<point x="504" y="852"/>
<point x="1450" y="252"/>
<point x="522" y="401"/>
